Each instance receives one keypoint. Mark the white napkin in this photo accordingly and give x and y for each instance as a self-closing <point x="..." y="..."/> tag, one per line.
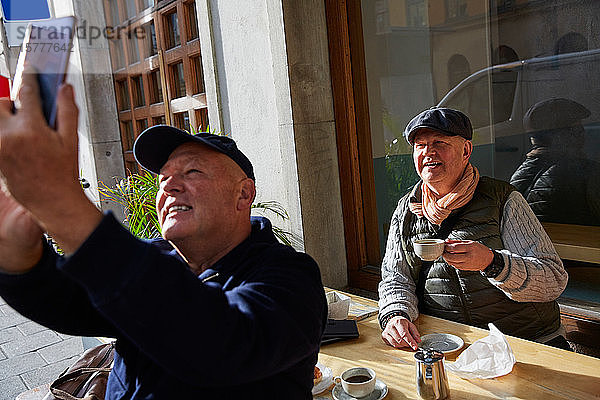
<point x="489" y="357"/>
<point x="337" y="305"/>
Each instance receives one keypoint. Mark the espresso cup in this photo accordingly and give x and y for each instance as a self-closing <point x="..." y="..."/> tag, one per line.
<point x="429" y="249"/>
<point x="358" y="381"/>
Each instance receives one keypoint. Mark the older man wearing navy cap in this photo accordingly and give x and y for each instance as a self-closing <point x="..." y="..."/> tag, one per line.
<point x="498" y="264"/>
<point x="218" y="310"/>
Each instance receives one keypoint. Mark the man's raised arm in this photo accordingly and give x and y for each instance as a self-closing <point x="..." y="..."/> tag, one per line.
<point x="40" y="166"/>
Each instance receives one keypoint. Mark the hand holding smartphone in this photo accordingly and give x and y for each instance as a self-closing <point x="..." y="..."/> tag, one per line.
<point x="47" y="46"/>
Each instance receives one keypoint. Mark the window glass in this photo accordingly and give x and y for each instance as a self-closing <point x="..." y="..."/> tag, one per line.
<point x="202" y="119"/>
<point x="456" y="9"/>
<point x="117" y="54"/>
<point x="113" y="7"/>
<point x="416" y="13"/>
<point x="533" y="103"/>
<point x="146" y="4"/>
<point x="182" y="120"/>
<point x="137" y="88"/>
<point x="123" y="95"/>
<point x="142" y="124"/>
<point x="178" y="80"/>
<point x="150" y="39"/>
<point x="192" y="21"/>
<point x="130" y="8"/>
<point x="198" y="76"/>
<point x="156" y="95"/>
<point x="159" y="120"/>
<point x="133" y="49"/>
<point x="131" y="167"/>
<point x="172" y="36"/>
<point x="127" y="134"/>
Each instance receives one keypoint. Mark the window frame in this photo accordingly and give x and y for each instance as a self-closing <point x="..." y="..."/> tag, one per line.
<point x="353" y="135"/>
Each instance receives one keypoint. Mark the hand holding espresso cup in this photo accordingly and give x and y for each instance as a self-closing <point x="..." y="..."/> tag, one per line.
<point x="467" y="255"/>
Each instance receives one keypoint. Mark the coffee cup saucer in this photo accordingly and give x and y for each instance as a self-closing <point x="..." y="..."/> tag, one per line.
<point x="379" y="392"/>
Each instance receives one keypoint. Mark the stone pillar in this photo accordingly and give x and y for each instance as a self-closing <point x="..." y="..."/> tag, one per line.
<point x="90" y="72"/>
<point x="315" y="138"/>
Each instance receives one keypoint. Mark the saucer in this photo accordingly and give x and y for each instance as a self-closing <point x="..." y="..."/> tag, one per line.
<point x="379" y="392"/>
<point x="444" y="342"/>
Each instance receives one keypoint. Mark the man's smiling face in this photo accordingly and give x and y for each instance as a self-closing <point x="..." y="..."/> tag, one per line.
<point x="198" y="194"/>
<point x="440" y="159"/>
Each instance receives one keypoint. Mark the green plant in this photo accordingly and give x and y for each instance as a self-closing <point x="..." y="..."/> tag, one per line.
<point x="137" y="194"/>
<point x="276" y="208"/>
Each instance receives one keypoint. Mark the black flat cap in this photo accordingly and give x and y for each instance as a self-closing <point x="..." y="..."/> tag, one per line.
<point x="554" y="113"/>
<point x="445" y="120"/>
<point x="153" y="147"/>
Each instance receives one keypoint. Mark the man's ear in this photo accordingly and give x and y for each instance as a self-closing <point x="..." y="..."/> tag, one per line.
<point x="467" y="149"/>
<point x="247" y="194"/>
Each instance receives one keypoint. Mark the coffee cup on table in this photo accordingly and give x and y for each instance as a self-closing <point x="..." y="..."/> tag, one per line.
<point x="358" y="381"/>
<point x="429" y="249"/>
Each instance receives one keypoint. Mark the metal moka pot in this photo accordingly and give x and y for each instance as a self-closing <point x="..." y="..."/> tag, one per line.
<point x="431" y="378"/>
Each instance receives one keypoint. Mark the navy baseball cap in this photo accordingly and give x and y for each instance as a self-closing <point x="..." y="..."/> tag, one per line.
<point x="445" y="120"/>
<point x="153" y="147"/>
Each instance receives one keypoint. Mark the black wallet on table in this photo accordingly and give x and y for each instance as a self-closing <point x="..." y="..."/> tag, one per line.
<point x="339" y="329"/>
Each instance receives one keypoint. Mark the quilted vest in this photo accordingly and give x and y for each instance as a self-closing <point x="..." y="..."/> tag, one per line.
<point x="467" y="296"/>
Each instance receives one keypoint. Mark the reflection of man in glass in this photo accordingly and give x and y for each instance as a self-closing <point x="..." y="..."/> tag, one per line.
<point x="557" y="180"/>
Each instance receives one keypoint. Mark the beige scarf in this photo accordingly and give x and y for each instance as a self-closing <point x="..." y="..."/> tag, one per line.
<point x="436" y="209"/>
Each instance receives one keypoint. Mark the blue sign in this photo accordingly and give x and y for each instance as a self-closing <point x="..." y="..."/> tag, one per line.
<point x="24" y="10"/>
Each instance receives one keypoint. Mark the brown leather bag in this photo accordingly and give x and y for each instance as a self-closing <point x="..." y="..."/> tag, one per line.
<point x="87" y="378"/>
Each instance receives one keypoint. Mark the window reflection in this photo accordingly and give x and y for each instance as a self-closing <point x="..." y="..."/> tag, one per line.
<point x="113" y="6"/>
<point x="172" y="36"/>
<point x="177" y="80"/>
<point x="137" y="87"/>
<point x="458" y="69"/>
<point x="182" y="120"/>
<point x="133" y="49"/>
<point x="191" y="21"/>
<point x="156" y="95"/>
<point x="160" y="120"/>
<point x="557" y="180"/>
<point x="150" y="39"/>
<point x="494" y="61"/>
<point x="123" y="95"/>
<point x="146" y="4"/>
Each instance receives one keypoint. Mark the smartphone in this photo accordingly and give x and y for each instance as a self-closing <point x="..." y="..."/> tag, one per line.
<point x="47" y="46"/>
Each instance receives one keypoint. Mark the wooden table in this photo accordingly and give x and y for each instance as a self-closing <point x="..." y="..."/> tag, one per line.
<point x="541" y="372"/>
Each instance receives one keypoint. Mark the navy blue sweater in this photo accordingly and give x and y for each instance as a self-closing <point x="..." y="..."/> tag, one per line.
<point x="248" y="327"/>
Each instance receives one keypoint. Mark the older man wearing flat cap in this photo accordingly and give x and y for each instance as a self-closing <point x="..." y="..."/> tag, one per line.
<point x="219" y="309"/>
<point x="498" y="264"/>
<point x="557" y="179"/>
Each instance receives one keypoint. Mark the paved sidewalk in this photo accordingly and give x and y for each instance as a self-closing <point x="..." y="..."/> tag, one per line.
<point x="30" y="354"/>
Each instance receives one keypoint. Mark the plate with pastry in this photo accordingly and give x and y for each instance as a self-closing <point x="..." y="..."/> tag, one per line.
<point x="322" y="379"/>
